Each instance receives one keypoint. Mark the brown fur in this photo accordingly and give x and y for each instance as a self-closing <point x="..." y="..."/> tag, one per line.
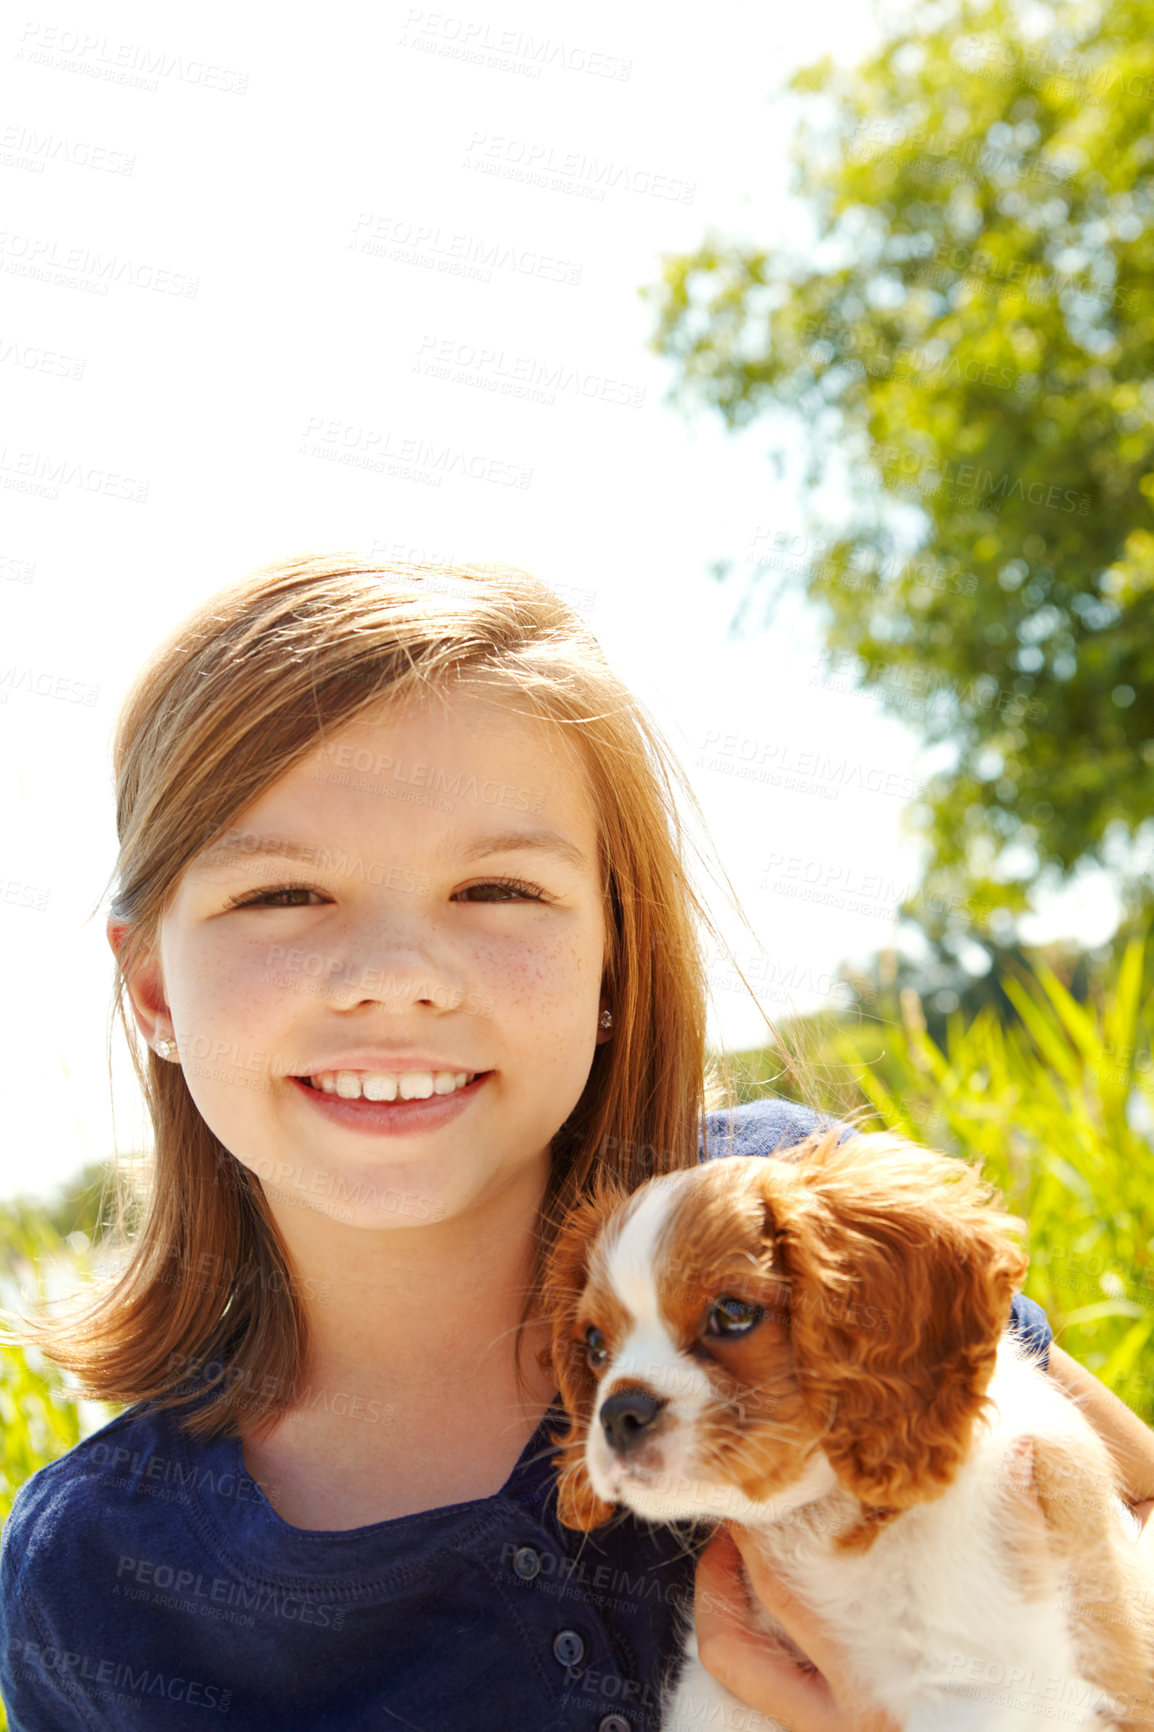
<point x="1112" y="1613"/>
<point x="758" y="1434"/>
<point x="566" y="1278"/>
<point x="902" y="1269"/>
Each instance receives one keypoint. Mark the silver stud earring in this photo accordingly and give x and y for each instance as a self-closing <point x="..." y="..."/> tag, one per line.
<point x="606" y="1019"/>
<point x="166" y="1048"/>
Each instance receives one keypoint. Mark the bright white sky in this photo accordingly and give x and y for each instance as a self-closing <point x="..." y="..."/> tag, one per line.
<point x="357" y="122"/>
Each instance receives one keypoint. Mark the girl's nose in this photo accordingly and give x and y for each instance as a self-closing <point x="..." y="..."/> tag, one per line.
<point x="397" y="971"/>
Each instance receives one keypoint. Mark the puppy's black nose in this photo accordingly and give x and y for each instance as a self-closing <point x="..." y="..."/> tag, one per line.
<point x="625" y="1418"/>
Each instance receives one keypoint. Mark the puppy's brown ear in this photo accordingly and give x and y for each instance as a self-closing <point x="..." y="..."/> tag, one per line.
<point x="578" y="1505"/>
<point x="901" y="1269"/>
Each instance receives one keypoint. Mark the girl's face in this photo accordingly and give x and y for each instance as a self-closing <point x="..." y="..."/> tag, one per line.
<point x="444" y="915"/>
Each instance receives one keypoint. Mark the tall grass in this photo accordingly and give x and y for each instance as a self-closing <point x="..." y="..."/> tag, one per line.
<point x="1059" y="1109"/>
<point x="40" y="1416"/>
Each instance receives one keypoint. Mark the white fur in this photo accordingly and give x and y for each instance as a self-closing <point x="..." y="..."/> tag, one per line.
<point x="647" y="1356"/>
<point x="939" y="1634"/>
<point x="631" y="1258"/>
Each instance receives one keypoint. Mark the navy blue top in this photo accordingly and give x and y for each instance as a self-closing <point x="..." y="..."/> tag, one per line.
<point x="146" y="1581"/>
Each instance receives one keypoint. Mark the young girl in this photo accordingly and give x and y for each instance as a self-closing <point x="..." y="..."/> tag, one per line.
<point x="402" y="917"/>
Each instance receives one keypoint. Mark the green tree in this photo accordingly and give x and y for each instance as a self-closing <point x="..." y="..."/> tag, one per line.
<point x="968" y="343"/>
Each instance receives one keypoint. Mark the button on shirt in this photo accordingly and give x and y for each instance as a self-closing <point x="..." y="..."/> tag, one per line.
<point x="146" y="1581"/>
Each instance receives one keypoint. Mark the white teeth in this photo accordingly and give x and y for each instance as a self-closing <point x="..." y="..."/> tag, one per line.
<point x="380" y="1088"/>
<point x="410" y="1085"/>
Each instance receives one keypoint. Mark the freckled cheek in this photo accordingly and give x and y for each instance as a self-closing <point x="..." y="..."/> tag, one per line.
<point x="559" y="976"/>
<point x="215" y="986"/>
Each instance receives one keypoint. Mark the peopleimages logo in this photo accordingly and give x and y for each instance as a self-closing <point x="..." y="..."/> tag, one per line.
<point x="31" y="358"/>
<point x="540" y="163"/>
<point x="42" y="684"/>
<point x="506" y="50"/>
<point x="131" y="63"/>
<point x="138" y="1471"/>
<point x="522" y="376"/>
<point x="43" y="475"/>
<point x="429" y="778"/>
<point x="39" y="1659"/>
<point x="476" y="257"/>
<point x="384" y="451"/>
<point x="25" y="147"/>
<point x="24" y="254"/>
<point x="221" y="1590"/>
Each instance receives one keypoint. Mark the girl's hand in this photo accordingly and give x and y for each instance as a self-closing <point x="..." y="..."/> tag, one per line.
<point x="738" y="1656"/>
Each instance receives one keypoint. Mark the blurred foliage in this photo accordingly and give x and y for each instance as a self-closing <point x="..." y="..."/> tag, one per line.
<point x="78" y="1208"/>
<point x="45" y="1251"/>
<point x="1059" y="1108"/>
<point x="40" y="1420"/>
<point x="40" y="1414"/>
<point x="39" y="1417"/>
<point x="971" y="337"/>
<point x="944" y="985"/>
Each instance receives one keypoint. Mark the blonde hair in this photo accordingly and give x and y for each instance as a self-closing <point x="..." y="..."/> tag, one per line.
<point x="225" y="706"/>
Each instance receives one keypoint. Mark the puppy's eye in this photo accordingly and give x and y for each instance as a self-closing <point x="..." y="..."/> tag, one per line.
<point x="728" y="1316"/>
<point x="596" y="1352"/>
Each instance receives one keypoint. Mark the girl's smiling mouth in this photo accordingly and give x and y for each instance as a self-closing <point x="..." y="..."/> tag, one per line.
<point x="386" y="1085"/>
<point x="396" y="1115"/>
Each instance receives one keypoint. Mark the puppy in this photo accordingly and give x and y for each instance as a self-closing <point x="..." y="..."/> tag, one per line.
<point x="813" y="1345"/>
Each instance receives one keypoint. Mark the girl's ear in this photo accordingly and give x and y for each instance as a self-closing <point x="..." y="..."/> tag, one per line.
<point x="143" y="981"/>
<point x="901" y="1270"/>
<point x="578" y="1505"/>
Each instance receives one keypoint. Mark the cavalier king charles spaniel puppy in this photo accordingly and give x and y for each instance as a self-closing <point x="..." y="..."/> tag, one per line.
<point x="814" y="1345"/>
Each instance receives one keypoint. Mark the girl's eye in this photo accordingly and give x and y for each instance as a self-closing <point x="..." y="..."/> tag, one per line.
<point x="596" y="1350"/>
<point x="507" y="889"/>
<point x="294" y="895"/>
<point x="265" y="898"/>
<point x="732" y="1317"/>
